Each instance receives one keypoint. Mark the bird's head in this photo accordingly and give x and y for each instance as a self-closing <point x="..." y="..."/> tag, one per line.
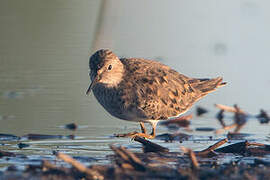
<point x="106" y="68"/>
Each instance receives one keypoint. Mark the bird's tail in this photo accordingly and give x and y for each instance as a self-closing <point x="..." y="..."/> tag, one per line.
<point x="206" y="86"/>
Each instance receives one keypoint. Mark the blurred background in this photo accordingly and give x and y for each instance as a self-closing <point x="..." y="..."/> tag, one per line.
<point x="45" y="48"/>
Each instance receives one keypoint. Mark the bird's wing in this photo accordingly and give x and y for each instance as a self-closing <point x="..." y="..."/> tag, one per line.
<point x="158" y="91"/>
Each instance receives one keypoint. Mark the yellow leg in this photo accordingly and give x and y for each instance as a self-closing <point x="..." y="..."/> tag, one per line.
<point x="143" y="127"/>
<point x="142" y="134"/>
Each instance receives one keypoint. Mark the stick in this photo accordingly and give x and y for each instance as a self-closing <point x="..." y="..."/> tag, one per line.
<point x="79" y="166"/>
<point x="229" y="108"/>
<point x="119" y="153"/>
<point x="132" y="156"/>
<point x="150" y="146"/>
<point x="128" y="157"/>
<point x="254" y="144"/>
<point x="194" y="162"/>
<point x="213" y="147"/>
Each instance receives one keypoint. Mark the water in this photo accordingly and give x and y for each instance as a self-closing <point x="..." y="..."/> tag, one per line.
<point x="44" y="51"/>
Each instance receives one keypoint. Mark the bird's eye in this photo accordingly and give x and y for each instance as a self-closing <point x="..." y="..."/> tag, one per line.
<point x="109" y="67"/>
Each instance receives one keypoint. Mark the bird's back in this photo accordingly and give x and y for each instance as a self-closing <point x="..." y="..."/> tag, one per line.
<point x="152" y="90"/>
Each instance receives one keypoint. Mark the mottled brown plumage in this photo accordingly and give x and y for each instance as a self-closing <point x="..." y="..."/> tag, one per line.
<point x="144" y="90"/>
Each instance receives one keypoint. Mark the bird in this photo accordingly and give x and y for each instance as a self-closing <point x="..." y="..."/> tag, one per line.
<point x="144" y="91"/>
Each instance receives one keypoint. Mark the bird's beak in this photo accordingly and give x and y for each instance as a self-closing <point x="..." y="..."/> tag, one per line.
<point x="93" y="83"/>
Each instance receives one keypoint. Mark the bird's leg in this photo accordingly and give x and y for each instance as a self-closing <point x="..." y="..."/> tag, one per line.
<point x="142" y="134"/>
<point x="131" y="134"/>
<point x="143" y="127"/>
<point x="153" y="131"/>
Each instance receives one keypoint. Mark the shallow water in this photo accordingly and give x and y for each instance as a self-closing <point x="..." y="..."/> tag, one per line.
<point x="44" y="51"/>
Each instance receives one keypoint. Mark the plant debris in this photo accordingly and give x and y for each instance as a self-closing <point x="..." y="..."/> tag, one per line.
<point x="22" y="145"/>
<point x="200" y="111"/>
<point x="240" y="118"/>
<point x="71" y="126"/>
<point x="263" y="117"/>
<point x="228" y="158"/>
<point x="148" y="146"/>
<point x="126" y="164"/>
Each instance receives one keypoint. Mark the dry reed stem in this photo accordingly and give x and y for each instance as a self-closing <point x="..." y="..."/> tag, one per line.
<point x="128" y="157"/>
<point x="192" y="156"/>
<point x="229" y="108"/>
<point x="213" y="147"/>
<point x="79" y="166"/>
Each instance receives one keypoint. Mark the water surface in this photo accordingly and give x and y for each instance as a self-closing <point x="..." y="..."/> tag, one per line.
<point x="44" y="51"/>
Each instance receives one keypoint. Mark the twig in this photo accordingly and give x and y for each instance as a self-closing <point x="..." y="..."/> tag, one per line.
<point x="194" y="162"/>
<point x="132" y="157"/>
<point x="119" y="153"/>
<point x="150" y="146"/>
<point x="48" y="165"/>
<point x="79" y="166"/>
<point x="254" y="144"/>
<point x="213" y="147"/>
<point x="228" y="108"/>
<point x="128" y="157"/>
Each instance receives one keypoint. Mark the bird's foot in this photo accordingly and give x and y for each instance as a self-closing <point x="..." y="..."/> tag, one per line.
<point x="134" y="134"/>
<point x="143" y="135"/>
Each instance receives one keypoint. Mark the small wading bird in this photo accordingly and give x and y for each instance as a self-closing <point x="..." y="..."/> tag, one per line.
<point x="143" y="90"/>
